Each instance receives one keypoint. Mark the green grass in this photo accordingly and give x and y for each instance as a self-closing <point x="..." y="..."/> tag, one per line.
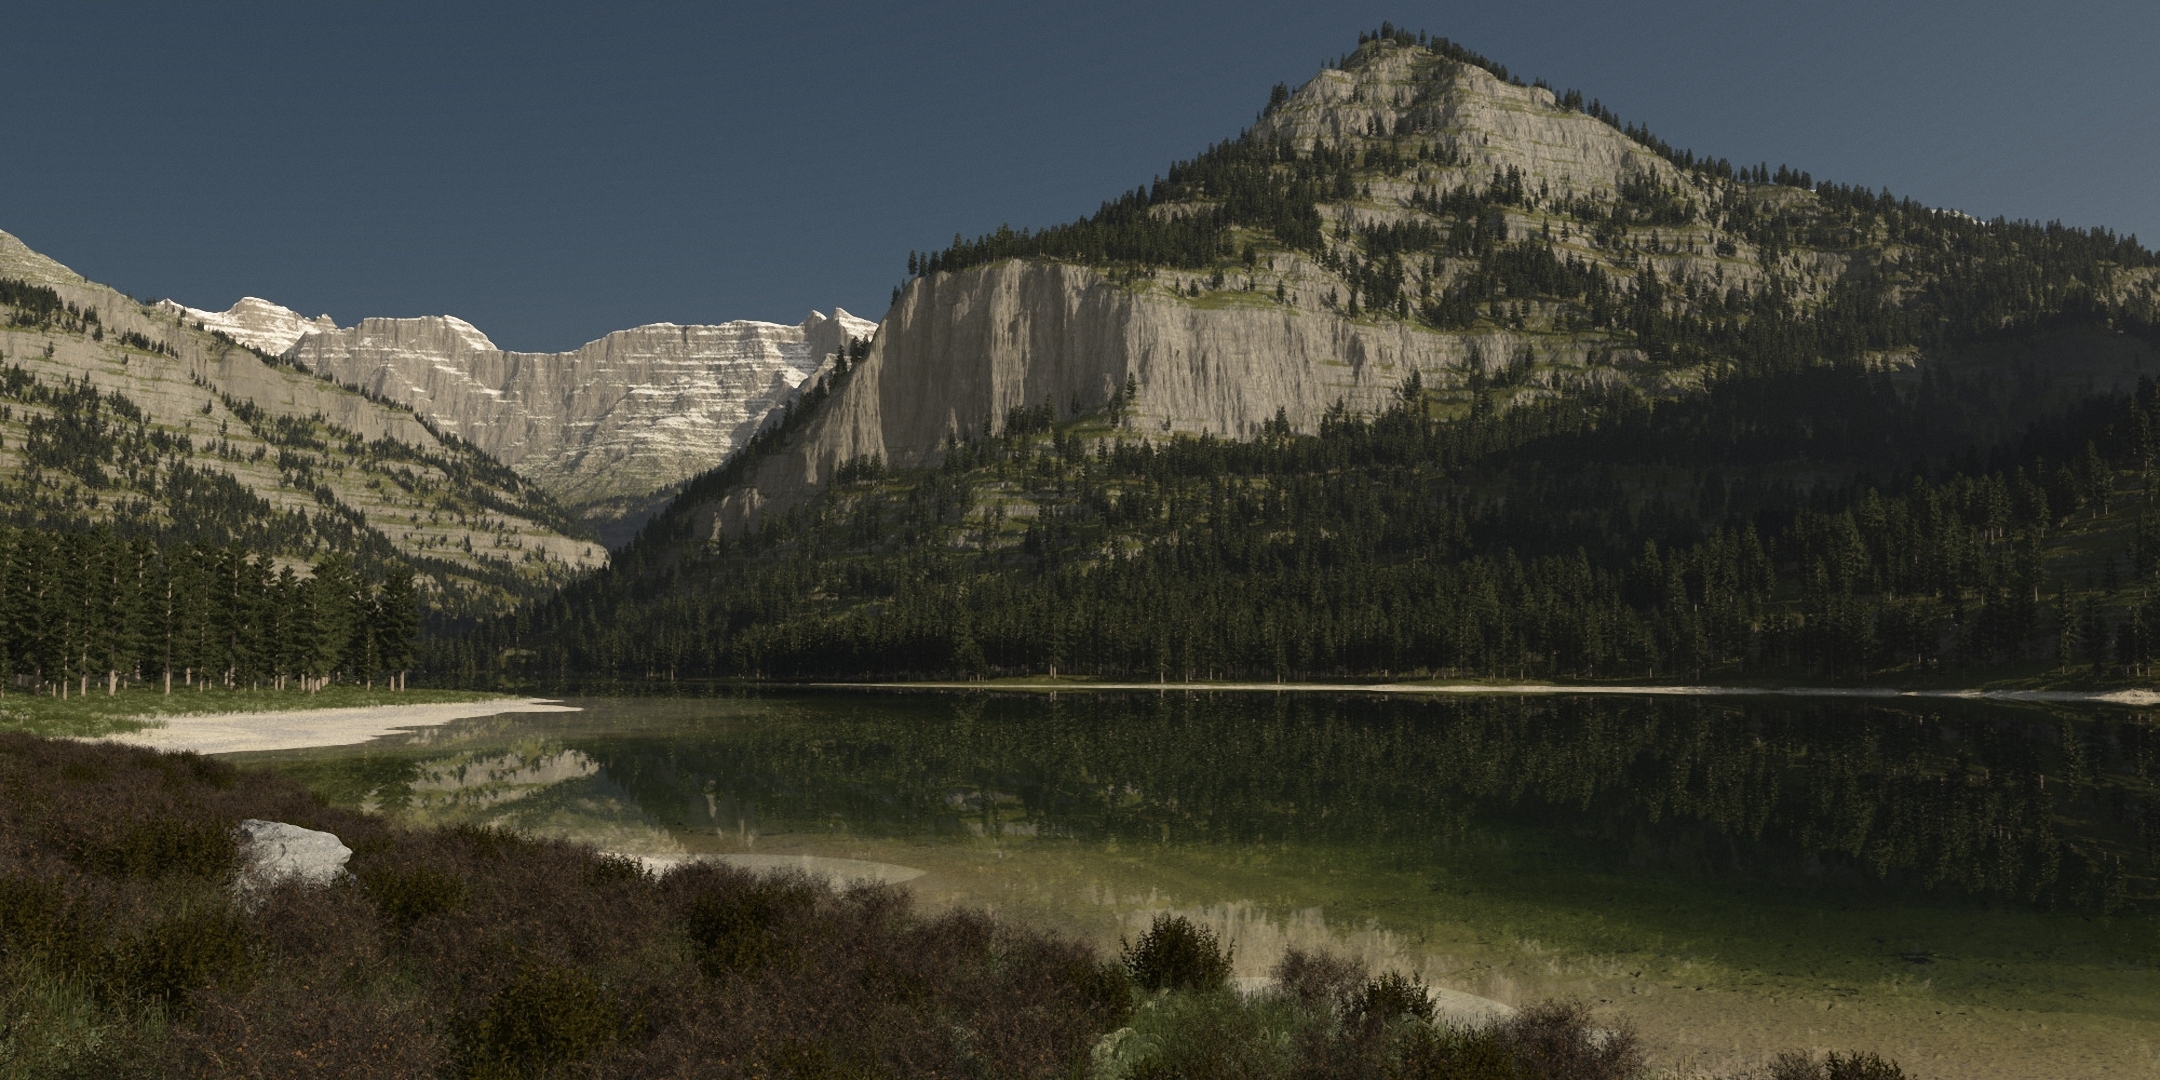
<point x="132" y="709"/>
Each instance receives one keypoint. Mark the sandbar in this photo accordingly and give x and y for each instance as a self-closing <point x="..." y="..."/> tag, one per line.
<point x="302" y="729"/>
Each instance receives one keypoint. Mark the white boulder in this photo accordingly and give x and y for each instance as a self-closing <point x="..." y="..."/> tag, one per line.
<point x="273" y="851"/>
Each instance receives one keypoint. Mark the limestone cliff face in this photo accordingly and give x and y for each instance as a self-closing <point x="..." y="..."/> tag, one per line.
<point x="625" y="416"/>
<point x="961" y="350"/>
<point x="255" y="322"/>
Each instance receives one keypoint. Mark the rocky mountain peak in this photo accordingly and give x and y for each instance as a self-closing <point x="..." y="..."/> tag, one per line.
<point x="610" y="427"/>
<point x="257" y="323"/>
<point x="1420" y="103"/>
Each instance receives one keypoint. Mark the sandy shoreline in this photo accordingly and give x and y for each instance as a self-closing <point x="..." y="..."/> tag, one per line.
<point x="248" y="732"/>
<point x="2135" y="698"/>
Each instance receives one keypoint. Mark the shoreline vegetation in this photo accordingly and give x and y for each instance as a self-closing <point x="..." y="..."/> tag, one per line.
<point x="473" y="952"/>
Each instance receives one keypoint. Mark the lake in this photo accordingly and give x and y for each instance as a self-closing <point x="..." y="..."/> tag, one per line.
<point x="1969" y="888"/>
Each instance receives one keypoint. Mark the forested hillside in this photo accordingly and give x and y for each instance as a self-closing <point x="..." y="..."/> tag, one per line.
<point x="120" y="415"/>
<point x="1709" y="421"/>
<point x="1791" y="526"/>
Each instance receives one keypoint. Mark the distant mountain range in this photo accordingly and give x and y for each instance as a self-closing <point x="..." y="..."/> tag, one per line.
<point x="129" y="416"/>
<point x="608" y="429"/>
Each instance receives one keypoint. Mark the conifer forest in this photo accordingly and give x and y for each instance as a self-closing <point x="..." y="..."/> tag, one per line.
<point x="90" y="612"/>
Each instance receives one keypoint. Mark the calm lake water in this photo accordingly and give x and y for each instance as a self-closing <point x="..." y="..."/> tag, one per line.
<point x="1969" y="888"/>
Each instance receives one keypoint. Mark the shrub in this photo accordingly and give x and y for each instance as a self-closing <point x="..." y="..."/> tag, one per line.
<point x="731" y="926"/>
<point x="30" y="915"/>
<point x="171" y="957"/>
<point x="1455" y="1054"/>
<point x="1390" y="997"/>
<point x="1317" y="980"/>
<point x="1858" y="1065"/>
<point x="1555" y="1039"/>
<point x="548" y="1016"/>
<point x="1176" y="954"/>
<point x="155" y="846"/>
<point x="405" y="895"/>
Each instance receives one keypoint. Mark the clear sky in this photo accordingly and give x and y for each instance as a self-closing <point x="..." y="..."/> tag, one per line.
<point x="553" y="172"/>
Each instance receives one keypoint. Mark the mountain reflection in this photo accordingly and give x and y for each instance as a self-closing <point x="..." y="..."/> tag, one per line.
<point x="2017" y="804"/>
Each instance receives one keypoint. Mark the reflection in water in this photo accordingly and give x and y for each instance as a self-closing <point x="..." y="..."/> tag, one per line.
<point x="544" y="789"/>
<point x="2020" y="804"/>
<point x="2017" y="804"/>
<point x="482" y="782"/>
<point x="1510" y="848"/>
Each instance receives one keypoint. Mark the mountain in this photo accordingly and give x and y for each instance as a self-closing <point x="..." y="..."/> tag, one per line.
<point x="610" y="428"/>
<point x="254" y="322"/>
<point x="1417" y="211"/>
<point x="131" y="416"/>
<point x="1433" y="371"/>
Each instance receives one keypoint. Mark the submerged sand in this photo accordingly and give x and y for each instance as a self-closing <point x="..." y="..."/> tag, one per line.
<point x="249" y="732"/>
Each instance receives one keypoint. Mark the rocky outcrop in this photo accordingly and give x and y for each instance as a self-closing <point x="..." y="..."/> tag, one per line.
<point x="959" y="351"/>
<point x="273" y="852"/>
<point x="1484" y="124"/>
<point x="254" y="322"/>
<point x="615" y="421"/>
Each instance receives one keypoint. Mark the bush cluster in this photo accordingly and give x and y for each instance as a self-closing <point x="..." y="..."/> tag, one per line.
<point x="125" y="950"/>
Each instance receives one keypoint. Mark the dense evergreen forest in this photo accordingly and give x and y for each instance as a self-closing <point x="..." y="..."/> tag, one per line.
<point x="90" y="608"/>
<point x="1780" y="526"/>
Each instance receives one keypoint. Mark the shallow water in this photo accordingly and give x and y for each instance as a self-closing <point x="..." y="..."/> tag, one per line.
<point x="1964" y="886"/>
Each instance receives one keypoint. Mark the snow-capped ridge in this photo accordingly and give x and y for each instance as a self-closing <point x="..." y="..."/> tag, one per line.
<point x="615" y="421"/>
<point x="255" y="322"/>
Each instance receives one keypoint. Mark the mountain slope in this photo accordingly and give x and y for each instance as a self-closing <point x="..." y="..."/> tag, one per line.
<point x="609" y="428"/>
<point x="1413" y="212"/>
<point x="119" y="413"/>
<point x="1435" y="372"/>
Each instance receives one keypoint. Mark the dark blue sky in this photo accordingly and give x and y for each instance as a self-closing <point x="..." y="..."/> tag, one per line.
<point x="552" y="173"/>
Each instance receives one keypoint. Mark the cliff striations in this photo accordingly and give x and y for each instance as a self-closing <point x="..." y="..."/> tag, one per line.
<point x="606" y="428"/>
<point x="254" y="322"/>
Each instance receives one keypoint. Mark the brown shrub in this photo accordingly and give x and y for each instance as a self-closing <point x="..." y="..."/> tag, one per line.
<point x="478" y="953"/>
<point x="1317" y="980"/>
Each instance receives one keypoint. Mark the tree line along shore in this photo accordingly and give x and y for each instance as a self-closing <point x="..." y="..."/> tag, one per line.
<point x="84" y="609"/>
